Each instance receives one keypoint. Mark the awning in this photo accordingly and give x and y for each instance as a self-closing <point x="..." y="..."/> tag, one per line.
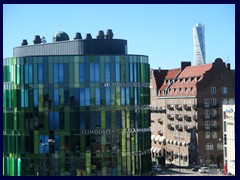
<point x="157" y="138"/>
<point x="158" y="150"/>
<point x="152" y="137"/>
<point x="162" y="139"/>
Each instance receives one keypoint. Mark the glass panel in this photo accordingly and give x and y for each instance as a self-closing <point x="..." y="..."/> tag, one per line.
<point x="87" y="97"/>
<point x="82" y="97"/>
<point x="108" y="96"/>
<point x="82" y="120"/>
<point x="92" y="72"/>
<point x="35" y="97"/>
<point x="26" y="97"/>
<point x="81" y="72"/>
<point x="30" y="73"/>
<point x="56" y="97"/>
<point x="97" y="73"/>
<point x="97" y="96"/>
<point x="26" y="73"/>
<point x="55" y="73"/>
<point x="118" y="72"/>
<point x="61" y="73"/>
<point x="107" y="72"/>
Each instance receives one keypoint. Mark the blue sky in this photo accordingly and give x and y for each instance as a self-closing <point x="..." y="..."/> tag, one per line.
<point x="161" y="31"/>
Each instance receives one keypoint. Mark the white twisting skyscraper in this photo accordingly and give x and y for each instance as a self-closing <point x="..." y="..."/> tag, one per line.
<point x="199" y="44"/>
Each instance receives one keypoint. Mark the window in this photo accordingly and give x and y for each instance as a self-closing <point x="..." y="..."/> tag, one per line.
<point x="81" y="72"/>
<point x="87" y="97"/>
<point x="207" y="124"/>
<point x="214" y="123"/>
<point x="82" y="120"/>
<point x="55" y="73"/>
<point x="209" y="147"/>
<point x="131" y="72"/>
<point x="213" y="101"/>
<point x="26" y="74"/>
<point x="225" y="139"/>
<point x="207" y="114"/>
<point x="108" y="120"/>
<point x="61" y="73"/>
<point x="56" y="97"/>
<point x="108" y="96"/>
<point x="213" y="112"/>
<point x="97" y="96"/>
<point x="214" y="135"/>
<point x="207" y="135"/>
<point x="117" y="72"/>
<point x="30" y="74"/>
<point x="82" y="97"/>
<point x="58" y="73"/>
<point x="224" y="90"/>
<point x="220" y="146"/>
<point x="53" y="120"/>
<point x="122" y="96"/>
<point x="40" y="74"/>
<point x="213" y="90"/>
<point x="107" y="72"/>
<point x="206" y="102"/>
<point x="35" y="97"/>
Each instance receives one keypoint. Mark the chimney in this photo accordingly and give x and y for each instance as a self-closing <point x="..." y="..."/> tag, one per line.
<point x="100" y="35"/>
<point x="109" y="34"/>
<point x="184" y="64"/>
<point x="24" y="42"/>
<point x="37" y="39"/>
<point x="78" y="36"/>
<point x="228" y="66"/>
<point x="88" y="36"/>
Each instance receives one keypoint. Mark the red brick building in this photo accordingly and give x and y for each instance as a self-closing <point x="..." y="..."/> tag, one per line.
<point x="186" y="112"/>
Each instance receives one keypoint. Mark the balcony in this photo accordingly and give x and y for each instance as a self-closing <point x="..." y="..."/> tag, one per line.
<point x="162" y="109"/>
<point x="179" y="127"/>
<point x="195" y="117"/>
<point x="187" y="107"/>
<point x="187" y="128"/>
<point x="170" y="117"/>
<point x="160" y="120"/>
<point x="170" y="127"/>
<point x="178" y="117"/>
<point x="187" y="117"/>
<point x="178" y="107"/>
<point x="170" y="106"/>
<point x="194" y="106"/>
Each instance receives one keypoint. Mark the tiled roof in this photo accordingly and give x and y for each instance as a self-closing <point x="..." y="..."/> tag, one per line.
<point x="172" y="73"/>
<point x="193" y="71"/>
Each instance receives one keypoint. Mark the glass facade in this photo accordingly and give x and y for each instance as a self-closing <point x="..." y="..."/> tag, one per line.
<point x="86" y="105"/>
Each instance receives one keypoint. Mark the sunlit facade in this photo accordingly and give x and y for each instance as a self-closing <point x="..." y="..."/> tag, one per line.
<point x="75" y="114"/>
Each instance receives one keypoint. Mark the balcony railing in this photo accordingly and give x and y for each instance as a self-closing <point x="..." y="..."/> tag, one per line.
<point x="170" y="117"/>
<point x="195" y="117"/>
<point x="170" y="106"/>
<point x="170" y="127"/>
<point x="162" y="109"/>
<point x="187" y="128"/>
<point x="160" y="132"/>
<point x="187" y="107"/>
<point x="178" y="106"/>
<point x="178" y="117"/>
<point x="187" y="117"/>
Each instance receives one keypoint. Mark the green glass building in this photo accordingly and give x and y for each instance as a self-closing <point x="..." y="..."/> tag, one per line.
<point x="76" y="108"/>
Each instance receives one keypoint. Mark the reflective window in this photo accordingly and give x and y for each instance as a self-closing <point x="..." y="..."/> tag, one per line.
<point x="22" y="98"/>
<point x="30" y="68"/>
<point x="56" y="97"/>
<point x="81" y="72"/>
<point x="55" y="73"/>
<point x="122" y="96"/>
<point x="97" y="72"/>
<point x="76" y="97"/>
<point x="35" y="97"/>
<point x="107" y="72"/>
<point x="40" y="73"/>
<point x="127" y="96"/>
<point x="26" y="74"/>
<point x="26" y="98"/>
<point x="118" y="119"/>
<point x="61" y="73"/>
<point x="108" y="120"/>
<point x="97" y="96"/>
<point x="87" y="97"/>
<point x="82" y="120"/>
<point x="53" y="120"/>
<point x="92" y="72"/>
<point x="117" y="72"/>
<point x="82" y="97"/>
<point x="108" y="96"/>
<point x="66" y="97"/>
<point x="131" y="71"/>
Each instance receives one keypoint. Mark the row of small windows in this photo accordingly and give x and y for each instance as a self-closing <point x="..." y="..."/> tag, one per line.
<point x="77" y="120"/>
<point x="208" y="135"/>
<point x="182" y="80"/>
<point x="49" y="97"/>
<point x="210" y="146"/>
<point x="93" y="72"/>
